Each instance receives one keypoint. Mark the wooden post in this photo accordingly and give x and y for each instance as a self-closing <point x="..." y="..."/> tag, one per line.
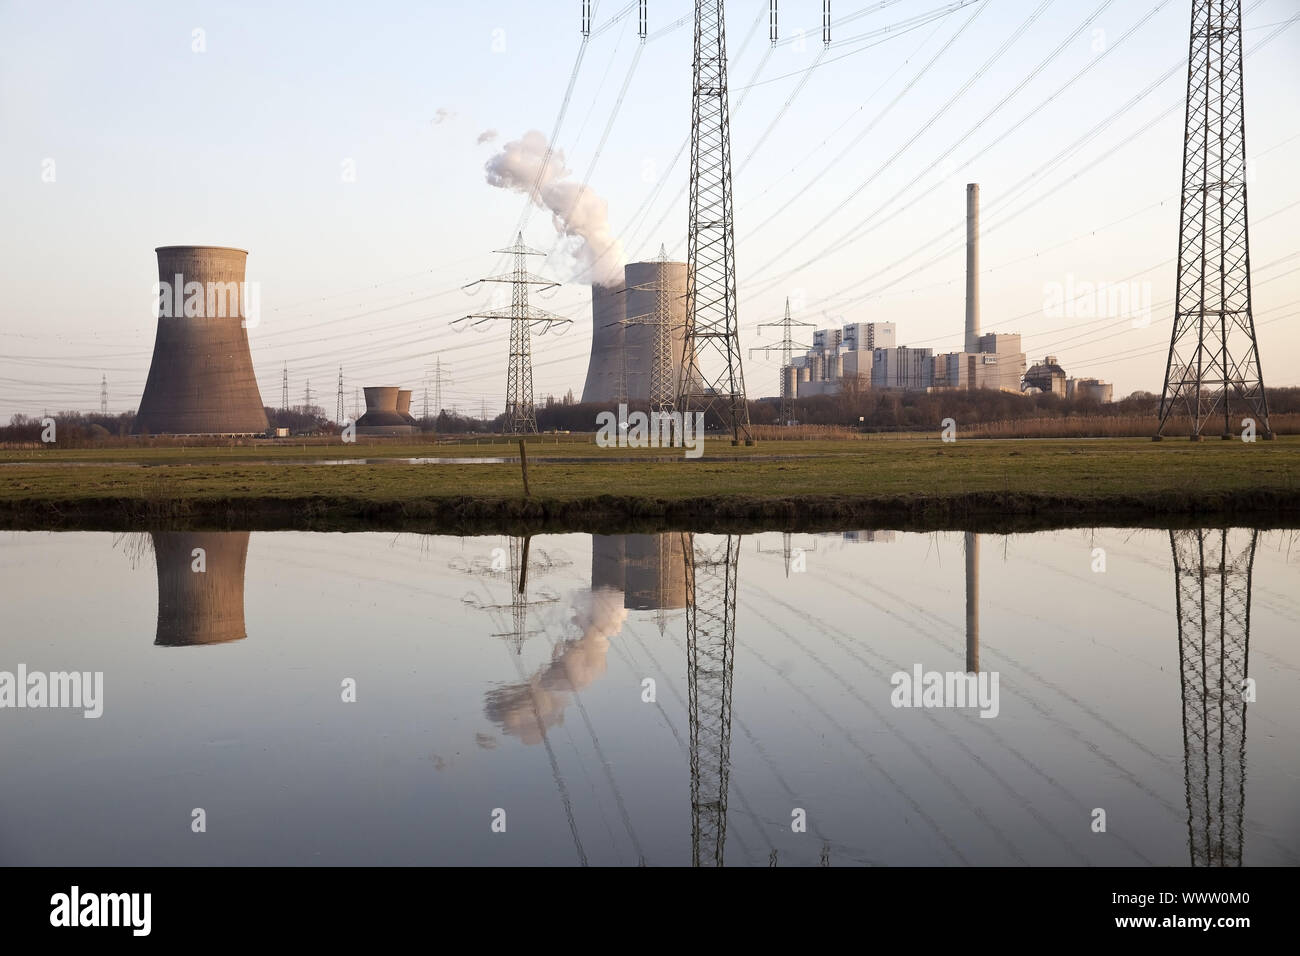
<point x="523" y="462"/>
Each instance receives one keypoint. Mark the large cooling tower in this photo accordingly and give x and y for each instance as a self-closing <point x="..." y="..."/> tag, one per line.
<point x="383" y="415"/>
<point x="608" y="310"/>
<point x="201" y="379"/>
<point x="200" y="596"/>
<point x="608" y="561"/>
<point x="642" y="279"/>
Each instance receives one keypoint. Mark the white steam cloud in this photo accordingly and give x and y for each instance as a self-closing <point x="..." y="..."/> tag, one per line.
<point x="487" y="136"/>
<point x="522" y="166"/>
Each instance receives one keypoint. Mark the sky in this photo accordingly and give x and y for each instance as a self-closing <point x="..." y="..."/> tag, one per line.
<point x="346" y="148"/>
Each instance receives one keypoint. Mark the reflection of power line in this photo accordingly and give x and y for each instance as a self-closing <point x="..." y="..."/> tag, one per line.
<point x="1212" y="595"/>
<point x="710" y="656"/>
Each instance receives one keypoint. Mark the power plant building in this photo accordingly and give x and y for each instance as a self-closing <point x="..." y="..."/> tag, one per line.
<point x="201" y="379"/>
<point x="902" y="368"/>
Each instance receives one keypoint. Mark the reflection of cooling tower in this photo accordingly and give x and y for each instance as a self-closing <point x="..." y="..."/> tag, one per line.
<point x="201" y="379"/>
<point x="656" y="572"/>
<point x="608" y="310"/>
<point x="200" y="607"/>
<point x="608" y="561"/>
<point x="382" y="416"/>
<point x="640" y="339"/>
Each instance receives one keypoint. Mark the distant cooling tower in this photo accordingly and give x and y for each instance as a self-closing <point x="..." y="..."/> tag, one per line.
<point x="201" y="379"/>
<point x="404" y="405"/>
<point x="200" y="603"/>
<point x="608" y="310"/>
<point x="641" y="338"/>
<point x="383" y="415"/>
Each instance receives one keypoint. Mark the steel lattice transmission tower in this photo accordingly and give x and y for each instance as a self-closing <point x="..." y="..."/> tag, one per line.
<point x="103" y="394"/>
<point x="284" y="388"/>
<point x="787" y="347"/>
<point x="1212" y="569"/>
<point x="1213" y="353"/>
<point x="710" y="659"/>
<point x="521" y="412"/>
<point x="712" y="379"/>
<point x="338" y="413"/>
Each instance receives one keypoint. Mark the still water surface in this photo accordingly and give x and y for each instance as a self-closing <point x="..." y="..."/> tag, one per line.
<point x="1118" y="654"/>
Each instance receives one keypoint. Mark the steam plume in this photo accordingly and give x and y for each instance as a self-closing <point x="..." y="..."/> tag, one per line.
<point x="522" y="166"/>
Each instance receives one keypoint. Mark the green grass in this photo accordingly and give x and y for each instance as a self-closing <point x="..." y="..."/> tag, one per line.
<point x="823" y="481"/>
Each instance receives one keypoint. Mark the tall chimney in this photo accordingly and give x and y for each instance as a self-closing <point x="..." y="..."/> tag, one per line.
<point x="972" y="267"/>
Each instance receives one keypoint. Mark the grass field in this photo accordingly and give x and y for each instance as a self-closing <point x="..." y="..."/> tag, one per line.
<point x="897" y="482"/>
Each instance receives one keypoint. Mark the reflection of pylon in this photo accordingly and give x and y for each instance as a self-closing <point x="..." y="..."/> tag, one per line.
<point x="710" y="652"/>
<point x="1212" y="594"/>
<point x="972" y="603"/>
<point x="787" y="549"/>
<point x="517" y="568"/>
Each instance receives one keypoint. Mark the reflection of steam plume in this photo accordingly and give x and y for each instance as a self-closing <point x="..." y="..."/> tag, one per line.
<point x="527" y="710"/>
<point x="522" y="166"/>
<point x="1212" y="570"/>
<point x="200" y="607"/>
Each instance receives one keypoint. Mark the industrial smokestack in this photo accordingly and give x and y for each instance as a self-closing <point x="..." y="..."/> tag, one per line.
<point x="200" y="604"/>
<point x="201" y="379"/>
<point x="972" y="267"/>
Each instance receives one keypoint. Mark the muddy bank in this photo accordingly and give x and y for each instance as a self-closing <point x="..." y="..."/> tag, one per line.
<point x="991" y="512"/>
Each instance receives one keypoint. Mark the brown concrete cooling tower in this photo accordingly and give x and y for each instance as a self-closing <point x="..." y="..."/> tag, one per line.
<point x="201" y="379"/>
<point x="200" y="606"/>
<point x="404" y="405"/>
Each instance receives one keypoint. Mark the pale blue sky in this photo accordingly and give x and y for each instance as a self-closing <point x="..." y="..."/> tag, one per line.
<point x="154" y="144"/>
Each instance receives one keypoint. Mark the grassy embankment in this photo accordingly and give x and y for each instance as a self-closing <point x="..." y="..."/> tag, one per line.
<point x="904" y="483"/>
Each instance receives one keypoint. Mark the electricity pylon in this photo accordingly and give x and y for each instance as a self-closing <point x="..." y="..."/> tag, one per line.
<point x="1213" y="353"/>
<point x="338" y="414"/>
<point x="284" y="388"/>
<point x="1212" y="571"/>
<point x="710" y="658"/>
<point x="787" y="347"/>
<point x="712" y="380"/>
<point x="103" y="395"/>
<point x="521" y="412"/>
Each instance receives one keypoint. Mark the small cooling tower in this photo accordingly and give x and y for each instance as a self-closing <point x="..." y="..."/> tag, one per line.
<point x="200" y="595"/>
<point x="382" y="416"/>
<point x="201" y="379"/>
<point x="404" y="405"/>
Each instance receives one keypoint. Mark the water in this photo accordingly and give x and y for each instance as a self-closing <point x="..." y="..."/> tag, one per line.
<point x="225" y="692"/>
